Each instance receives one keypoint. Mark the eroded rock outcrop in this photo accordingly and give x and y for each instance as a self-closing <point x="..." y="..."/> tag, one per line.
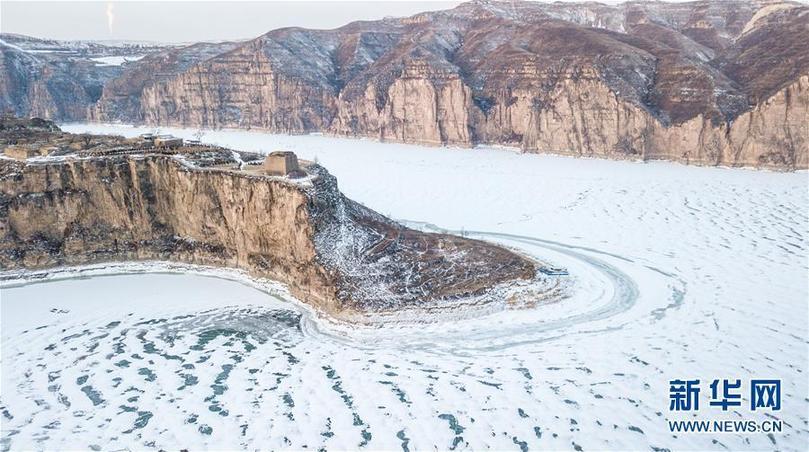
<point x="118" y="200"/>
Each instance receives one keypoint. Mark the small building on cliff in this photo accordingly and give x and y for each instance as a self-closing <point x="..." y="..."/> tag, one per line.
<point x="168" y="142"/>
<point x="282" y="163"/>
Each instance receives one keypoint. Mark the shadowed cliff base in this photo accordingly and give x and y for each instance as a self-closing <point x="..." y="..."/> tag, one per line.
<point x="70" y="200"/>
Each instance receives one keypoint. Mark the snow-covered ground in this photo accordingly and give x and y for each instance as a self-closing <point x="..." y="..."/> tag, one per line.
<point x="116" y="60"/>
<point x="682" y="273"/>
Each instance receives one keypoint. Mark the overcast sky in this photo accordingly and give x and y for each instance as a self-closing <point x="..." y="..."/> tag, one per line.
<point x="190" y="21"/>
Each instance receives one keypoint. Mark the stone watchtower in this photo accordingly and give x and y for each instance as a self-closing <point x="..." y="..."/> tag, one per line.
<point x="281" y="163"/>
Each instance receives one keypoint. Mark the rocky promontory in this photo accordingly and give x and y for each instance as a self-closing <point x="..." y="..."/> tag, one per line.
<point x="70" y="200"/>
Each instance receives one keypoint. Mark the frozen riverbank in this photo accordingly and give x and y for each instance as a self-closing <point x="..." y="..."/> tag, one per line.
<point x="709" y="264"/>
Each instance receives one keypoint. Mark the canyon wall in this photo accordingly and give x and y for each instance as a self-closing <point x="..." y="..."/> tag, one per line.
<point x="579" y="116"/>
<point x="421" y="106"/>
<point x="709" y="83"/>
<point x="240" y="89"/>
<point x="32" y="87"/>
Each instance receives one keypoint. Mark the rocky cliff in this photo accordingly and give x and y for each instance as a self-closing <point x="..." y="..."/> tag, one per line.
<point x="116" y="200"/>
<point x="59" y="80"/>
<point x="700" y="82"/>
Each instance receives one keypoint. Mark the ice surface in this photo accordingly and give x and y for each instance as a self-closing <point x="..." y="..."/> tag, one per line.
<point x="116" y="60"/>
<point x="680" y="272"/>
<point x="15" y="47"/>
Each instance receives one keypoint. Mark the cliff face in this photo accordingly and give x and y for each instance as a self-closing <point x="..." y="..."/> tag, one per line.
<point x="698" y="82"/>
<point x="117" y="201"/>
<point x="56" y="79"/>
<point x="122" y="97"/>
<point x="585" y="118"/>
<point x="26" y="87"/>
<point x="776" y="131"/>
<point x="151" y="208"/>
<point x="238" y="89"/>
<point x="419" y="108"/>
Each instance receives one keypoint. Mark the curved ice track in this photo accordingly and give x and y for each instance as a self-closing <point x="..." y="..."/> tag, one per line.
<point x="602" y="291"/>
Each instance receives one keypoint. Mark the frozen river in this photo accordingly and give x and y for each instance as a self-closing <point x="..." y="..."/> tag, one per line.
<point x="682" y="273"/>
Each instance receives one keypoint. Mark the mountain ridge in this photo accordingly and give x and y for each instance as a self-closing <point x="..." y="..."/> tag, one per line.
<point x="633" y="80"/>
